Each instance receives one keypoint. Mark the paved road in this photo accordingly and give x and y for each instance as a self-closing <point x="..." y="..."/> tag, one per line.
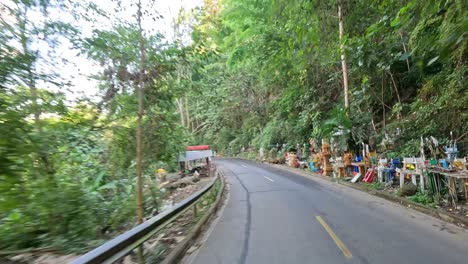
<point x="273" y="216"/>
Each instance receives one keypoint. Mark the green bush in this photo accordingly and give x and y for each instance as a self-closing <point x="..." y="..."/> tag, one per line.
<point x="422" y="198"/>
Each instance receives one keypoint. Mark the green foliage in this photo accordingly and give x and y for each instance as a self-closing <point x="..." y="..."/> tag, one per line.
<point x="274" y="76"/>
<point x="422" y="198"/>
<point x="67" y="171"/>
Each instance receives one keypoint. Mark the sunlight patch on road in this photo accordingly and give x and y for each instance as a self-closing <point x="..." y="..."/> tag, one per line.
<point x="335" y="238"/>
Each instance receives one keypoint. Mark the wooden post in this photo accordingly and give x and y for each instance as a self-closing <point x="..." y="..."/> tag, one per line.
<point x="421" y="179"/>
<point x="209" y="166"/>
<point x="465" y="183"/>
<point x="402" y="179"/>
<point x="361" y="169"/>
<point x="413" y="179"/>
<point x="454" y="189"/>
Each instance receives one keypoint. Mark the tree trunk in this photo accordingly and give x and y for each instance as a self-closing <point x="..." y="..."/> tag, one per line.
<point x="29" y="80"/>
<point x="180" y="106"/>
<point x="343" y="56"/>
<point x="404" y="49"/>
<point x="139" y="198"/>
<point x="196" y="111"/>
<point x="140" y="116"/>
<point x="383" y="104"/>
<point x="187" y="114"/>
<point x="396" y="91"/>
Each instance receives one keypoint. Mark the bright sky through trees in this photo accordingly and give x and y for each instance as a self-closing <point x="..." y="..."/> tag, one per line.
<point x="78" y="70"/>
<point x="169" y="9"/>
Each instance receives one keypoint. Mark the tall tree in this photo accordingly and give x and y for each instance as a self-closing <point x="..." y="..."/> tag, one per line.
<point x="141" y="84"/>
<point x="344" y="66"/>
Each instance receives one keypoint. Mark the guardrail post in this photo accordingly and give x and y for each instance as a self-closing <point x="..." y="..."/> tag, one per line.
<point x="141" y="257"/>
<point x="195" y="213"/>
<point x="213" y="189"/>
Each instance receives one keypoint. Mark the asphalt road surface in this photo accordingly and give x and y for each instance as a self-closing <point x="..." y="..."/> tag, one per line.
<point x="272" y="216"/>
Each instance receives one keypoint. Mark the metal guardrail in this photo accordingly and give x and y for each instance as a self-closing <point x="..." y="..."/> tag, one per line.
<point x="123" y="244"/>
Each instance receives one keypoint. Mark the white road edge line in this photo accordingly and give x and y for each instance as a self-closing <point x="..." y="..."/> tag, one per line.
<point x="243" y="166"/>
<point x="268" y="178"/>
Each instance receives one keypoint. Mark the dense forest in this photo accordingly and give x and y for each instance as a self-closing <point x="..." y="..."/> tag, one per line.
<point x="68" y="170"/>
<point x="253" y="74"/>
<point x="272" y="73"/>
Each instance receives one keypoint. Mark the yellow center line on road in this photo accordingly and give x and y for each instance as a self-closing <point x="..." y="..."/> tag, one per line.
<point x="335" y="238"/>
